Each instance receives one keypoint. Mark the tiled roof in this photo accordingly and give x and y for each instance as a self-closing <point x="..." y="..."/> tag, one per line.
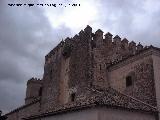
<point x="112" y="97"/>
<point x="107" y="98"/>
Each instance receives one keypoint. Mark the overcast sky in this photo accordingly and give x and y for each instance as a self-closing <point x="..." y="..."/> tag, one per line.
<point x="27" y="34"/>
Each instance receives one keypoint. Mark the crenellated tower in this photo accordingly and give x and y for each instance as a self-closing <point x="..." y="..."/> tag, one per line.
<point x="77" y="64"/>
<point x="34" y="90"/>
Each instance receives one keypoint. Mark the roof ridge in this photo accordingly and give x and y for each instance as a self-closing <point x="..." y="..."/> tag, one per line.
<point x="106" y="97"/>
<point x="134" y="98"/>
<point x="147" y="48"/>
<point x="123" y="94"/>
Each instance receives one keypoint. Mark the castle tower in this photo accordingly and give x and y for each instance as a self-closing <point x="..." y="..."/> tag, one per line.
<point x="81" y="62"/>
<point x="34" y="90"/>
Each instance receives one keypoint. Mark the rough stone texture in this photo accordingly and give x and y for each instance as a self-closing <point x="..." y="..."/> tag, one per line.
<point x="143" y="86"/>
<point x="109" y="52"/>
<point x="80" y="74"/>
<point x="88" y="61"/>
<point x="156" y="65"/>
<point x="108" y="98"/>
<point x="64" y="79"/>
<point x="50" y="94"/>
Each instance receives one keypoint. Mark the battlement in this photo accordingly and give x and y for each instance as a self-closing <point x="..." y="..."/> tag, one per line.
<point x="58" y="48"/>
<point x="34" y="80"/>
<point x="99" y="39"/>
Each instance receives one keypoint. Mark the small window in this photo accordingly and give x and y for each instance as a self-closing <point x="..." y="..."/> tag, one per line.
<point x="73" y="97"/>
<point x="51" y="74"/>
<point x="129" y="81"/>
<point x="40" y="91"/>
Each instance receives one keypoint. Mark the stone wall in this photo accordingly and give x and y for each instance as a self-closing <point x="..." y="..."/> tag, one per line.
<point x="143" y="81"/>
<point x="156" y="65"/>
<point x="67" y="70"/>
<point x="64" y="79"/>
<point x="51" y="79"/>
<point x="80" y="64"/>
<point x="107" y="51"/>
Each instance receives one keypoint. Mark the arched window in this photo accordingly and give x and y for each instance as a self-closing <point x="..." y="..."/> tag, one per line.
<point x="130" y="78"/>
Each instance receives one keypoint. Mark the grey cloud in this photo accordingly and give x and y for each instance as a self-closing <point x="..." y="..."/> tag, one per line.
<point x="26" y="37"/>
<point x="120" y="17"/>
<point x="11" y="96"/>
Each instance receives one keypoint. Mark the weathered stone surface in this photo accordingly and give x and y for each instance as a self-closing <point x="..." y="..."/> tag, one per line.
<point x="143" y="86"/>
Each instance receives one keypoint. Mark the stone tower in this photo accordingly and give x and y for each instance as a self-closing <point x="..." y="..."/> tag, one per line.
<point x="34" y="90"/>
<point x="84" y="61"/>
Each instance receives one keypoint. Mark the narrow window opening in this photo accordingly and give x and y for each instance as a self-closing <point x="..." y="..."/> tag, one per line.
<point x="51" y="74"/>
<point x="73" y="97"/>
<point x="129" y="81"/>
<point x="40" y="91"/>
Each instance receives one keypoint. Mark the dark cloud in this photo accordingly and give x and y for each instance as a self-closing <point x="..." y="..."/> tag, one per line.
<point x="26" y="37"/>
<point x="136" y="20"/>
<point x="12" y="95"/>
